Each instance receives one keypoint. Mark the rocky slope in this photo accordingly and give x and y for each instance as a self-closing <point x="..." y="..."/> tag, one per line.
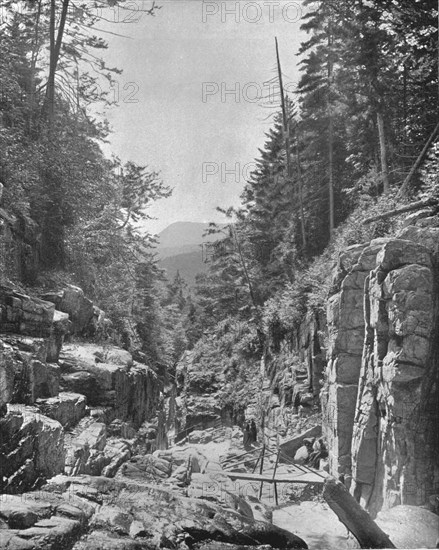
<point x="67" y="408"/>
<point x="75" y="415"/>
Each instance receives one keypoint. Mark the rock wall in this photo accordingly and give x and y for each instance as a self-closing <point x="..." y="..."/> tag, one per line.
<point x="20" y="243"/>
<point x="345" y="318"/>
<point x="31" y="449"/>
<point x="310" y="346"/>
<point x="111" y="381"/>
<point x="291" y="374"/>
<point x="68" y="408"/>
<point x="196" y="404"/>
<point x="31" y="316"/>
<point x="380" y="395"/>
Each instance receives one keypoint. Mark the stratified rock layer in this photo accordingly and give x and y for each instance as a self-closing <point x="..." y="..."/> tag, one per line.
<point x="110" y="379"/>
<point x="84" y="429"/>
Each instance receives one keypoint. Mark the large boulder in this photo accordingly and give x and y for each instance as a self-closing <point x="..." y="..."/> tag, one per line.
<point x="23" y="314"/>
<point x="428" y="236"/>
<point x="7" y="373"/>
<point x="156" y="517"/>
<point x="146" y="468"/>
<point x="410" y="526"/>
<point x="31" y="448"/>
<point x="24" y="359"/>
<point x="85" y="447"/>
<point x="43" y="520"/>
<point x="72" y="301"/>
<point x="66" y="408"/>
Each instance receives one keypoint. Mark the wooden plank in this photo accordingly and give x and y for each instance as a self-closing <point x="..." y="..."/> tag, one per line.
<point x="261" y="469"/>
<point x="274" y="475"/>
<point x="283" y="478"/>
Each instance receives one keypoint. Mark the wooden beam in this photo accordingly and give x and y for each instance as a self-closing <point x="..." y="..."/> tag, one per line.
<point x="282" y="478"/>
<point x="274" y="476"/>
<point x="352" y="515"/>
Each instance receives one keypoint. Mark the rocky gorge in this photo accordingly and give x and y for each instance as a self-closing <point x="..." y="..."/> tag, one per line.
<point x="100" y="450"/>
<point x="365" y="374"/>
<point x="81" y="433"/>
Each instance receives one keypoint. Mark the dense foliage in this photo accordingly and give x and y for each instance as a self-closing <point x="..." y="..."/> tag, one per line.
<point x="74" y="209"/>
<point x="366" y="104"/>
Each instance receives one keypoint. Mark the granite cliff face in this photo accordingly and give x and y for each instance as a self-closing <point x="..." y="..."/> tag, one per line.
<point x="380" y="394"/>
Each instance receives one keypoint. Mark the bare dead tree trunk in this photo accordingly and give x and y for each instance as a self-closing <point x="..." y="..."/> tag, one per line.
<point x="286" y="128"/>
<point x="245" y="270"/>
<point x="300" y="188"/>
<point x="49" y="100"/>
<point x="284" y="113"/>
<point x="383" y="152"/>
<point x="331" y="131"/>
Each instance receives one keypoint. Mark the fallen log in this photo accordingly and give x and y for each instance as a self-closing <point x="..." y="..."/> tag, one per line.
<point x="408" y="208"/>
<point x="352" y="515"/>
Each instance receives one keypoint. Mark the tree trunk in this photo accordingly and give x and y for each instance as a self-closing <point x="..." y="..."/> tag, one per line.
<point x="55" y="50"/>
<point x="383" y="152"/>
<point x="352" y="515"/>
<point x="331" y="133"/>
<point x="33" y="65"/>
<point x="331" y="176"/>
<point x="49" y="100"/>
<point x="300" y="189"/>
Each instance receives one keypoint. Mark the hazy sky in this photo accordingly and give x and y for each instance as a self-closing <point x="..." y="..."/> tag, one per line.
<point x="194" y="79"/>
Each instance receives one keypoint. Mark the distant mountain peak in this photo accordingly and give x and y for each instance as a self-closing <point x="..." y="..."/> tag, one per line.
<point x="180" y="249"/>
<point x="183" y="234"/>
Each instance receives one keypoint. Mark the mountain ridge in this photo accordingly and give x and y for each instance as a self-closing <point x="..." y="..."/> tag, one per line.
<point x="180" y="249"/>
